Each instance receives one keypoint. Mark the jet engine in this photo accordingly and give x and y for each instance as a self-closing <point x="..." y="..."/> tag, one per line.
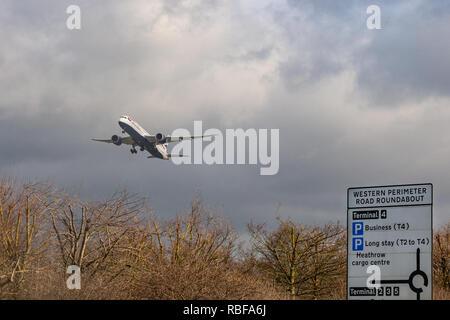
<point x="160" y="138"/>
<point x="116" y="140"/>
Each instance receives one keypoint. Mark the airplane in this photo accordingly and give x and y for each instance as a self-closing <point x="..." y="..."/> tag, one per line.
<point x="156" y="145"/>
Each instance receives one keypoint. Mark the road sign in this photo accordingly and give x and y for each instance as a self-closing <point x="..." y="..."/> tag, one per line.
<point x="390" y="227"/>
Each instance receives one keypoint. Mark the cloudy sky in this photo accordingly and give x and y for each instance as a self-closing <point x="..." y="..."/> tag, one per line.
<point x="354" y="106"/>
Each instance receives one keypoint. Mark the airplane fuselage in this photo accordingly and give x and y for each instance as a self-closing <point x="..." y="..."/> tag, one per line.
<point x="138" y="134"/>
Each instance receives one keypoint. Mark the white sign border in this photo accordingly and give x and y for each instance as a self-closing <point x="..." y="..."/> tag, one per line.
<point x="389" y="186"/>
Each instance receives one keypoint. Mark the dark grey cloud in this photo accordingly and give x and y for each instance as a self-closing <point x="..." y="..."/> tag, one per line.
<point x="408" y="60"/>
<point x="309" y="68"/>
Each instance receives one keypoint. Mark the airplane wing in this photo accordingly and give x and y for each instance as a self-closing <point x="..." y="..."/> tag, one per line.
<point x="176" y="139"/>
<point x="152" y="139"/>
<point x="125" y="140"/>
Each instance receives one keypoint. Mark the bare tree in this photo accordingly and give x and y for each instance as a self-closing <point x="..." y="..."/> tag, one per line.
<point x="326" y="264"/>
<point x="441" y="257"/>
<point x="190" y="257"/>
<point x="89" y="235"/>
<point x="23" y="215"/>
<point x="301" y="258"/>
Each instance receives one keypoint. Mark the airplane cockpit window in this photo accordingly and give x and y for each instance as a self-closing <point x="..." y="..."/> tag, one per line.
<point x="126" y="118"/>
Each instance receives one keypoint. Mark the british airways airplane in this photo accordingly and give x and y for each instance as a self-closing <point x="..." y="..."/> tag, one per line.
<point x="156" y="145"/>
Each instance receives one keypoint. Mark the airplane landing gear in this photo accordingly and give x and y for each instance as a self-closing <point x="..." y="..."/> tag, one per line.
<point x="133" y="150"/>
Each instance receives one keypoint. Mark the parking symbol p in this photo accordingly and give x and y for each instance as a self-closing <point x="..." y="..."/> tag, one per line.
<point x="357" y="228"/>
<point x="358" y="244"/>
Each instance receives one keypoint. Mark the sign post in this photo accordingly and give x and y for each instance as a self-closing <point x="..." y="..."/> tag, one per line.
<point x="389" y="242"/>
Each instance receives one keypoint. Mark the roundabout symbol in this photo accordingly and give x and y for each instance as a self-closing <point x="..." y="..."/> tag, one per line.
<point x="410" y="280"/>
